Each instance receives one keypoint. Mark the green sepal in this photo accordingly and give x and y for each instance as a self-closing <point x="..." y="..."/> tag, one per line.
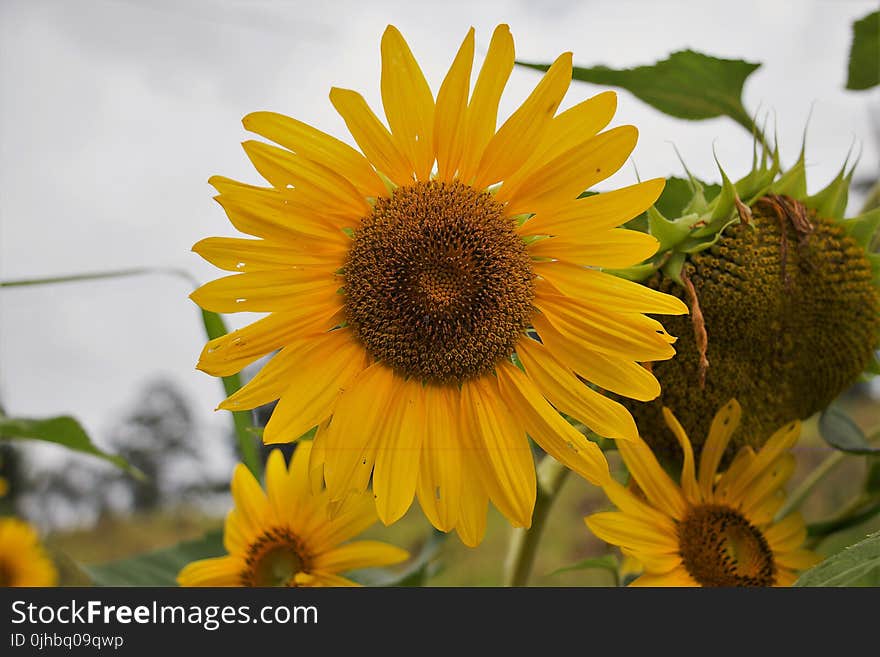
<point x="669" y="233"/>
<point x="793" y="182"/>
<point x="672" y="268"/>
<point x="637" y="273"/>
<point x="874" y="366"/>
<point x="863" y="228"/>
<point x="697" y="244"/>
<point x="758" y="181"/>
<point x="831" y="201"/>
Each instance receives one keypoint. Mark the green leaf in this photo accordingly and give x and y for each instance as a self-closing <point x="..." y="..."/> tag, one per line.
<point x="864" y="56"/>
<point x="157" y="568"/>
<point x="63" y="430"/>
<point x="687" y="85"/>
<point x="605" y="562"/>
<point x="847" y="568"/>
<point x="838" y="430"/>
<point x="215" y="327"/>
<point x="416" y="573"/>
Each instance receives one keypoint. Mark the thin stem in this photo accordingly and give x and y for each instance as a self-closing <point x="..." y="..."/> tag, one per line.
<point x="524" y="542"/>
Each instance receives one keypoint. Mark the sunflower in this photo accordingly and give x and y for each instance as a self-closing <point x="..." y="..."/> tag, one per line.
<point x="286" y="536"/>
<point x="405" y="281"/>
<point x="711" y="530"/>
<point x="23" y="561"/>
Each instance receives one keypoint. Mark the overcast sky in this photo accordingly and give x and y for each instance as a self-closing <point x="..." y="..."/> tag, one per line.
<point x="115" y="113"/>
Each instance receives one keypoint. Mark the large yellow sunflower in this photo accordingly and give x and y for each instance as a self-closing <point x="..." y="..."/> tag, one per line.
<point x="711" y="530"/>
<point x="286" y="536"/>
<point x="404" y="282"/>
<point x="23" y="561"/>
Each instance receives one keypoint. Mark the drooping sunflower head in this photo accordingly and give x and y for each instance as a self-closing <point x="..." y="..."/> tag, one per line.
<point x="23" y="561"/>
<point x="286" y="536"/>
<point x="436" y="294"/>
<point x="786" y="308"/>
<point x="709" y="529"/>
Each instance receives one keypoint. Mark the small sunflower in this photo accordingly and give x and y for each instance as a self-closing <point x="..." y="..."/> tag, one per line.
<point x="404" y="283"/>
<point x="286" y="536"/>
<point x="711" y="530"/>
<point x="23" y="561"/>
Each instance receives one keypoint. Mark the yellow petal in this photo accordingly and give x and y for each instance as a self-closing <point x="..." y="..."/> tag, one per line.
<point x="773" y="450"/>
<point x="615" y="374"/>
<point x="616" y="248"/>
<point x="631" y="336"/>
<point x="313" y="183"/>
<point x="688" y="475"/>
<point x="634" y="506"/>
<point x="563" y="389"/>
<point x="482" y="111"/>
<point x="360" y="554"/>
<point x="450" y="114"/>
<point x="329" y="580"/>
<point x="474" y="500"/>
<point x="234" y="254"/>
<point x="566" y="176"/>
<point x="230" y="353"/>
<point x="678" y="577"/>
<point x="251" y="504"/>
<point x="363" y="418"/>
<point x="219" y="571"/>
<point x="660" y="490"/>
<point x="724" y="424"/>
<point x="767" y="484"/>
<point x="270" y="214"/>
<point x="319" y="147"/>
<point x="439" y="485"/>
<point x="633" y="533"/>
<point x="373" y="137"/>
<point x="265" y="291"/>
<point x="503" y="450"/>
<point x="574" y="126"/>
<point x="596" y="213"/>
<point x="354" y="515"/>
<point x="606" y="291"/>
<point x="654" y="562"/>
<point x="547" y="428"/>
<point x="798" y="559"/>
<point x="519" y="136"/>
<point x="397" y="460"/>
<point x="325" y="369"/>
<point x="786" y="535"/>
<point x="409" y="105"/>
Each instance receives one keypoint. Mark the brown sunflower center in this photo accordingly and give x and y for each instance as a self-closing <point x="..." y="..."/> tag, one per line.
<point x="438" y="284"/>
<point x="720" y="547"/>
<point x="275" y="559"/>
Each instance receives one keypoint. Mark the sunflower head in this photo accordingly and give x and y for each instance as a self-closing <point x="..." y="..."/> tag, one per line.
<point x="437" y="295"/>
<point x="709" y="529"/>
<point x="784" y="298"/>
<point x="23" y="561"/>
<point x="286" y="536"/>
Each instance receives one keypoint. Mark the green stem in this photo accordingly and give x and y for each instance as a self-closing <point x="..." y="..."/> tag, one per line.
<point x="524" y="542"/>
